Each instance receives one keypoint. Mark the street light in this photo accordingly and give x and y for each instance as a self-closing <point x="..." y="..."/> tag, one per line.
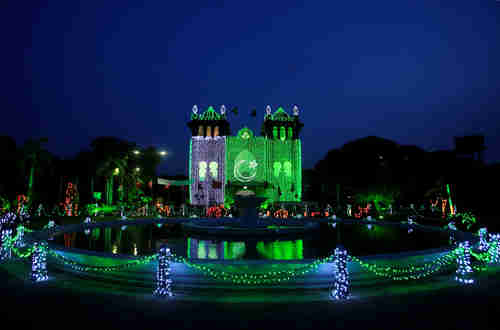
<point x="136" y="152"/>
<point x="137" y="169"/>
<point x="163" y="153"/>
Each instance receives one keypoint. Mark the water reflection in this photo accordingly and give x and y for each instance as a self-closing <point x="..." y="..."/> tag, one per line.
<point x="146" y="240"/>
<point x="227" y="250"/>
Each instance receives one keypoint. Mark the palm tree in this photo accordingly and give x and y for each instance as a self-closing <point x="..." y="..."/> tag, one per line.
<point x="109" y="168"/>
<point x="36" y="157"/>
<point x="111" y="155"/>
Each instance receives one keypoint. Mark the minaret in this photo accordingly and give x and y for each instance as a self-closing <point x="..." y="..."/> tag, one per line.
<point x="281" y="125"/>
<point x="210" y="123"/>
<point x="207" y="156"/>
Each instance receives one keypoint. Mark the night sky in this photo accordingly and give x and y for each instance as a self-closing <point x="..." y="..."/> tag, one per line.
<point x="416" y="72"/>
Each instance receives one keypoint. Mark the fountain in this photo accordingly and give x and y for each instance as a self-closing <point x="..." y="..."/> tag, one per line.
<point x="248" y="223"/>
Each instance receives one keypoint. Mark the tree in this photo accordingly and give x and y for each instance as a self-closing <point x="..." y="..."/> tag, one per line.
<point x="111" y="159"/>
<point x="380" y="195"/>
<point x="34" y="156"/>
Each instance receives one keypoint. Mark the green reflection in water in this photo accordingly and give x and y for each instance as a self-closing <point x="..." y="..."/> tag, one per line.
<point x="202" y="251"/>
<point x="281" y="250"/>
<point x="234" y="250"/>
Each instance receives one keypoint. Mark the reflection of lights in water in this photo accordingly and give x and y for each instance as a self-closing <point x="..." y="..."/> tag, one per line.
<point x="202" y="252"/>
<point x="235" y="250"/>
<point x="212" y="252"/>
<point x="135" y="249"/>
<point x="369" y="227"/>
<point x="115" y="249"/>
<point x="281" y="250"/>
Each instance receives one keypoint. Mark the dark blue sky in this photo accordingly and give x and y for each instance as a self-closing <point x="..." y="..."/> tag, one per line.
<point x="417" y="72"/>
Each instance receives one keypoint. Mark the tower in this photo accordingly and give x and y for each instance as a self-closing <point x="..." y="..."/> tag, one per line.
<point x="284" y="151"/>
<point x="207" y="156"/>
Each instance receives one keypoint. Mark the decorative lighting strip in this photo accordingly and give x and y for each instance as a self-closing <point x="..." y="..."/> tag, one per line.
<point x="39" y="262"/>
<point x="464" y="271"/>
<point x="6" y="248"/>
<point x="483" y="239"/>
<point x="163" y="279"/>
<point x="341" y="284"/>
<point x="85" y="267"/>
<point x="494" y="250"/>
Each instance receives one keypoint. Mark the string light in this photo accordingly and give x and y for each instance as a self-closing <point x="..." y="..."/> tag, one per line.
<point x="340" y="290"/>
<point x="6" y="251"/>
<point x="20" y="237"/>
<point x="39" y="262"/>
<point x="452" y="229"/>
<point x="87" y="221"/>
<point x="341" y="284"/>
<point x="483" y="239"/>
<point x="163" y="280"/>
<point x="494" y="250"/>
<point x="464" y="271"/>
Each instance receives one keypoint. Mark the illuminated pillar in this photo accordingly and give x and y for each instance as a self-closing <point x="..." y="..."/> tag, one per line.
<point x="163" y="280"/>
<point x="464" y="271"/>
<point x="341" y="285"/>
<point x="483" y="239"/>
<point x="39" y="262"/>
<point x="6" y="248"/>
<point x="20" y="237"/>
<point x="494" y="250"/>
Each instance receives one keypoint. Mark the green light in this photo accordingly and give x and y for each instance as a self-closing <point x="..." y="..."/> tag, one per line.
<point x="268" y="166"/>
<point x="202" y="251"/>
<point x="281" y="250"/>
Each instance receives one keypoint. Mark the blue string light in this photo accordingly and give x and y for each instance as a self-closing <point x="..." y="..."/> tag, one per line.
<point x="163" y="280"/>
<point x="341" y="284"/>
<point x="494" y="249"/>
<point x="464" y="271"/>
<point x="39" y="262"/>
<point x="6" y="248"/>
<point x="483" y="240"/>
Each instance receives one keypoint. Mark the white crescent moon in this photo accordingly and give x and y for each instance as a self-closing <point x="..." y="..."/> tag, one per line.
<point x="238" y="175"/>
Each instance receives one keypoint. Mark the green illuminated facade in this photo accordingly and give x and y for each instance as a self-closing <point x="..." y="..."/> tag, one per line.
<point x="270" y="165"/>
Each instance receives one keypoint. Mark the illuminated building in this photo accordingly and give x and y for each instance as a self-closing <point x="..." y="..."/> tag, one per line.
<point x="220" y="165"/>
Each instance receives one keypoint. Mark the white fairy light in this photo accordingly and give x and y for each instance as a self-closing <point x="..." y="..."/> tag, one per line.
<point x="20" y="237"/>
<point x="163" y="280"/>
<point x="39" y="262"/>
<point x="494" y="249"/>
<point x="87" y="221"/>
<point x="483" y="239"/>
<point x="464" y="271"/>
<point x="341" y="285"/>
<point x="6" y="248"/>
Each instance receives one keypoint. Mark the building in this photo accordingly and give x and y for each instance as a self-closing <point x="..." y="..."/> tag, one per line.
<point x="220" y="165"/>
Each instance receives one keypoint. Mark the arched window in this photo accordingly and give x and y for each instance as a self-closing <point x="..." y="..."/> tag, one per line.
<point x="202" y="170"/>
<point x="282" y="133"/>
<point x="201" y="131"/>
<point x="287" y="168"/>
<point x="290" y="133"/>
<point x="213" y="169"/>
<point x="216" y="131"/>
<point x="275" y="132"/>
<point x="209" y="131"/>
<point x="277" y="168"/>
